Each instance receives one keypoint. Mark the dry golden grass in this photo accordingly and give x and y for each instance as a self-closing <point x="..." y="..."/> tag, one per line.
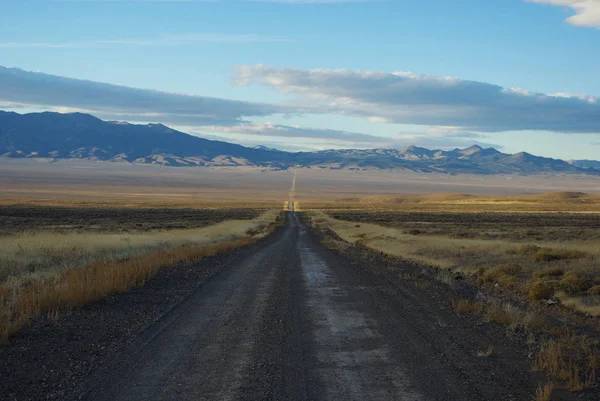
<point x="422" y="284"/>
<point x="586" y="304"/>
<point x="544" y="393"/>
<point x="32" y="253"/>
<point x="571" y="359"/>
<point x="565" y="269"/>
<point x="79" y="269"/>
<point x="78" y="286"/>
<point x="562" y="355"/>
<point x="465" y="306"/>
<point x="448" y="202"/>
<point x="486" y="353"/>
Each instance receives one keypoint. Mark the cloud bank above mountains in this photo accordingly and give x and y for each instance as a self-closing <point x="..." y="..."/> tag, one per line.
<point x="121" y="102"/>
<point x="451" y="111"/>
<point x="407" y="98"/>
<point x="434" y="137"/>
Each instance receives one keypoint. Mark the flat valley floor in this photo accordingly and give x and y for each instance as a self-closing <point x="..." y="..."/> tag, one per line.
<point x="77" y="180"/>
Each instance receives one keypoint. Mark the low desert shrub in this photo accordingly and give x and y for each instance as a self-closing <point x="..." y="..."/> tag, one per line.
<point x="499" y="315"/>
<point x="502" y="274"/>
<point x="544" y="393"/>
<point x="595" y="290"/>
<point x="466" y="306"/>
<point x="541" y="289"/>
<point x="574" y="283"/>
<point x="549" y="255"/>
<point x="486" y="353"/>
<point x="572" y="359"/>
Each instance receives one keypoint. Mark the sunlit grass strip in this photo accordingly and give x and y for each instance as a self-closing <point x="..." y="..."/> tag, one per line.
<point x="76" y="287"/>
<point x="29" y="254"/>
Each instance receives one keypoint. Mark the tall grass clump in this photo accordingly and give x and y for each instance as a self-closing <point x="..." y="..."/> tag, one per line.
<point x="572" y="359"/>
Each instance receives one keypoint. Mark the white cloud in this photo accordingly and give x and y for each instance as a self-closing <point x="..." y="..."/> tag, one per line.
<point x="317" y="138"/>
<point x="443" y="143"/>
<point x="11" y="105"/>
<point x="587" y="12"/>
<point x="286" y="131"/>
<point x="407" y="98"/>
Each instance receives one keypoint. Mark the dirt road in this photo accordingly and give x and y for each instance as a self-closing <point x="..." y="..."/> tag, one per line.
<point x="292" y="320"/>
<point x="286" y="319"/>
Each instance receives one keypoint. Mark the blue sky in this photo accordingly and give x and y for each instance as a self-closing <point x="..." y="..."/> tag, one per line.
<point x="315" y="74"/>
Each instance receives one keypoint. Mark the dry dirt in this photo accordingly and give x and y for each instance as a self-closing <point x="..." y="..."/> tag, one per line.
<point x="72" y="180"/>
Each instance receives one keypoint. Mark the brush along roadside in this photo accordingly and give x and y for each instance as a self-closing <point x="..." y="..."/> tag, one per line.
<point x="564" y="349"/>
<point x="54" y="291"/>
<point x="503" y="252"/>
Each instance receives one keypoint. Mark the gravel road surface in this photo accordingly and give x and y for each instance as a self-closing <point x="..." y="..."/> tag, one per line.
<point x="292" y="320"/>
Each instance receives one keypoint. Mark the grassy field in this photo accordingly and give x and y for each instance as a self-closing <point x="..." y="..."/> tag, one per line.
<point x="574" y="202"/>
<point x="99" y="218"/>
<point x="542" y="256"/>
<point x="48" y="266"/>
<point x="88" y="182"/>
<point x="546" y="251"/>
<point x="542" y="246"/>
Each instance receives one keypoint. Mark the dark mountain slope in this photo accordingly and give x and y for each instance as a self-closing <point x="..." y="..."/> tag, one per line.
<point x="81" y="136"/>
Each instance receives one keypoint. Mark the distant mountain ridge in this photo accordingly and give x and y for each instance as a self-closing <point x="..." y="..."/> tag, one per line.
<point x="82" y="136"/>
<point x="594" y="164"/>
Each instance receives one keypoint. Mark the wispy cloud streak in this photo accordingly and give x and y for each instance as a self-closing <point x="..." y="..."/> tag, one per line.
<point x="318" y="138"/>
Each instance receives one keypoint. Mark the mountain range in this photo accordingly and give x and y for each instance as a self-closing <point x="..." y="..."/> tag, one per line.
<point x="82" y="136"/>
